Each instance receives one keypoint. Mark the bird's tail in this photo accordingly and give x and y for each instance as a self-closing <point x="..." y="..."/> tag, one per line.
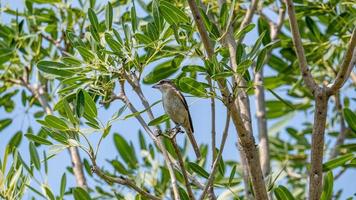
<point x="194" y="144"/>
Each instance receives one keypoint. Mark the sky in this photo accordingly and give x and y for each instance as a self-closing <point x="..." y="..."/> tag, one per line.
<point x="199" y="108"/>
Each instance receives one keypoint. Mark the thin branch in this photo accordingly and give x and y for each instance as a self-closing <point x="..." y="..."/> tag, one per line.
<point x="157" y="140"/>
<point x="307" y="76"/>
<point x="347" y="64"/>
<point x="210" y="180"/>
<point x="353" y="77"/>
<point x="120" y="180"/>
<point x="248" y="16"/>
<point x="182" y="168"/>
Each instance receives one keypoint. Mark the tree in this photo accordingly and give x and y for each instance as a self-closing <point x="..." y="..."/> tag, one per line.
<point x="63" y="61"/>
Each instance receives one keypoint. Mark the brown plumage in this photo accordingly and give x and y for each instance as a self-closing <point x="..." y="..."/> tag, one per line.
<point x="177" y="109"/>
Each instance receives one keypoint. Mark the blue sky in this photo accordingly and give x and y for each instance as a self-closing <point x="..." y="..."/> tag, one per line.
<point x="200" y="111"/>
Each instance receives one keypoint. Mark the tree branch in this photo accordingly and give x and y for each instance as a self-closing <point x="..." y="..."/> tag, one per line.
<point x="182" y="168"/>
<point x="244" y="129"/>
<point x="120" y="180"/>
<point x="210" y="180"/>
<point x="307" y="77"/>
<point x="158" y="141"/>
<point x="347" y="64"/>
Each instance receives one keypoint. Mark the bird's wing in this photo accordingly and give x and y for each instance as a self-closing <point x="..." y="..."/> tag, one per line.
<point x="181" y="97"/>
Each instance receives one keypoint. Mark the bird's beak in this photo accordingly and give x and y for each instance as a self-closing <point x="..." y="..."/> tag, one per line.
<point x="155" y="86"/>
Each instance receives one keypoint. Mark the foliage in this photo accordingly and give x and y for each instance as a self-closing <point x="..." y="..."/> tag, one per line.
<point x="72" y="57"/>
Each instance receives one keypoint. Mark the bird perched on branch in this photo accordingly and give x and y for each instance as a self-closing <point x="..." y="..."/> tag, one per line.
<point x="177" y="109"/>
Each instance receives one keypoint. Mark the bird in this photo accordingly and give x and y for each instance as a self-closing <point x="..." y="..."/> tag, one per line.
<point x="176" y="108"/>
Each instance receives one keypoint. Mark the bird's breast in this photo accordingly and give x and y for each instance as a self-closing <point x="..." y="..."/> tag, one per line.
<point x="174" y="108"/>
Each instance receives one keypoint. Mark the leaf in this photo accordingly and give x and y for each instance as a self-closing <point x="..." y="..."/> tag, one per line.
<point x="190" y="85"/>
<point x="89" y="105"/>
<point x="119" y="167"/>
<point x="15" y="140"/>
<point x="160" y="72"/>
<point x="158" y="120"/>
<point x="260" y="60"/>
<point x="55" y="68"/>
<point x="337" y="162"/>
<point x="5" y="123"/>
<point x="79" y="108"/>
<point x="199" y="170"/>
<point x="49" y="193"/>
<point x="257" y="45"/>
<point x="183" y="194"/>
<point x="350" y="118"/>
<point x="113" y="44"/>
<point x="282" y="193"/>
<point x="56" y="123"/>
<point x="133" y="17"/>
<point x="328" y="184"/>
<point x="262" y="25"/>
<point x="281" y="99"/>
<point x="108" y="16"/>
<point x="85" y="53"/>
<point x="171" y="13"/>
<point x="34" y="156"/>
<point x="244" y="31"/>
<point x="80" y="194"/>
<point x="125" y="150"/>
<point x="93" y="19"/>
<point x="232" y="174"/>
<point x="38" y="139"/>
<point x="63" y="185"/>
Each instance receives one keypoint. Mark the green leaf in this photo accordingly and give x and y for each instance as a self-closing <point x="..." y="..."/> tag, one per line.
<point x="113" y="44"/>
<point x="262" y="25"/>
<point x="108" y="16"/>
<point x="328" y="186"/>
<point x="63" y="185"/>
<point x="257" y="45"/>
<point x="69" y="60"/>
<point x="45" y="1"/>
<point x="133" y="17"/>
<point x="15" y="140"/>
<point x="199" y="170"/>
<point x="281" y="99"/>
<point x="232" y="174"/>
<point x="244" y="31"/>
<point x="337" y="162"/>
<point x="85" y="53"/>
<point x="119" y="167"/>
<point x="49" y="193"/>
<point x="55" y="68"/>
<point x="56" y="123"/>
<point x="350" y="118"/>
<point x="125" y="150"/>
<point x="34" y="156"/>
<point x="69" y="112"/>
<point x="260" y="60"/>
<point x="160" y="72"/>
<point x="282" y="193"/>
<point x="93" y="19"/>
<point x="80" y="103"/>
<point x="89" y="105"/>
<point x="183" y="194"/>
<point x="158" y="120"/>
<point x="190" y="85"/>
<point x="5" y="123"/>
<point x="38" y="139"/>
<point x="171" y="13"/>
<point x="80" y="194"/>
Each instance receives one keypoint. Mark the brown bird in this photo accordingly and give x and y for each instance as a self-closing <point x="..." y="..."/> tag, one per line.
<point x="177" y="109"/>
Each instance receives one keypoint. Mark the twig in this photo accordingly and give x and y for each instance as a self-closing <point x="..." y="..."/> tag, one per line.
<point x="182" y="167"/>
<point x="248" y="16"/>
<point x="353" y="77"/>
<point x="306" y="74"/>
<point x="120" y="180"/>
<point x="347" y="64"/>
<point x="216" y="161"/>
<point x="122" y="96"/>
